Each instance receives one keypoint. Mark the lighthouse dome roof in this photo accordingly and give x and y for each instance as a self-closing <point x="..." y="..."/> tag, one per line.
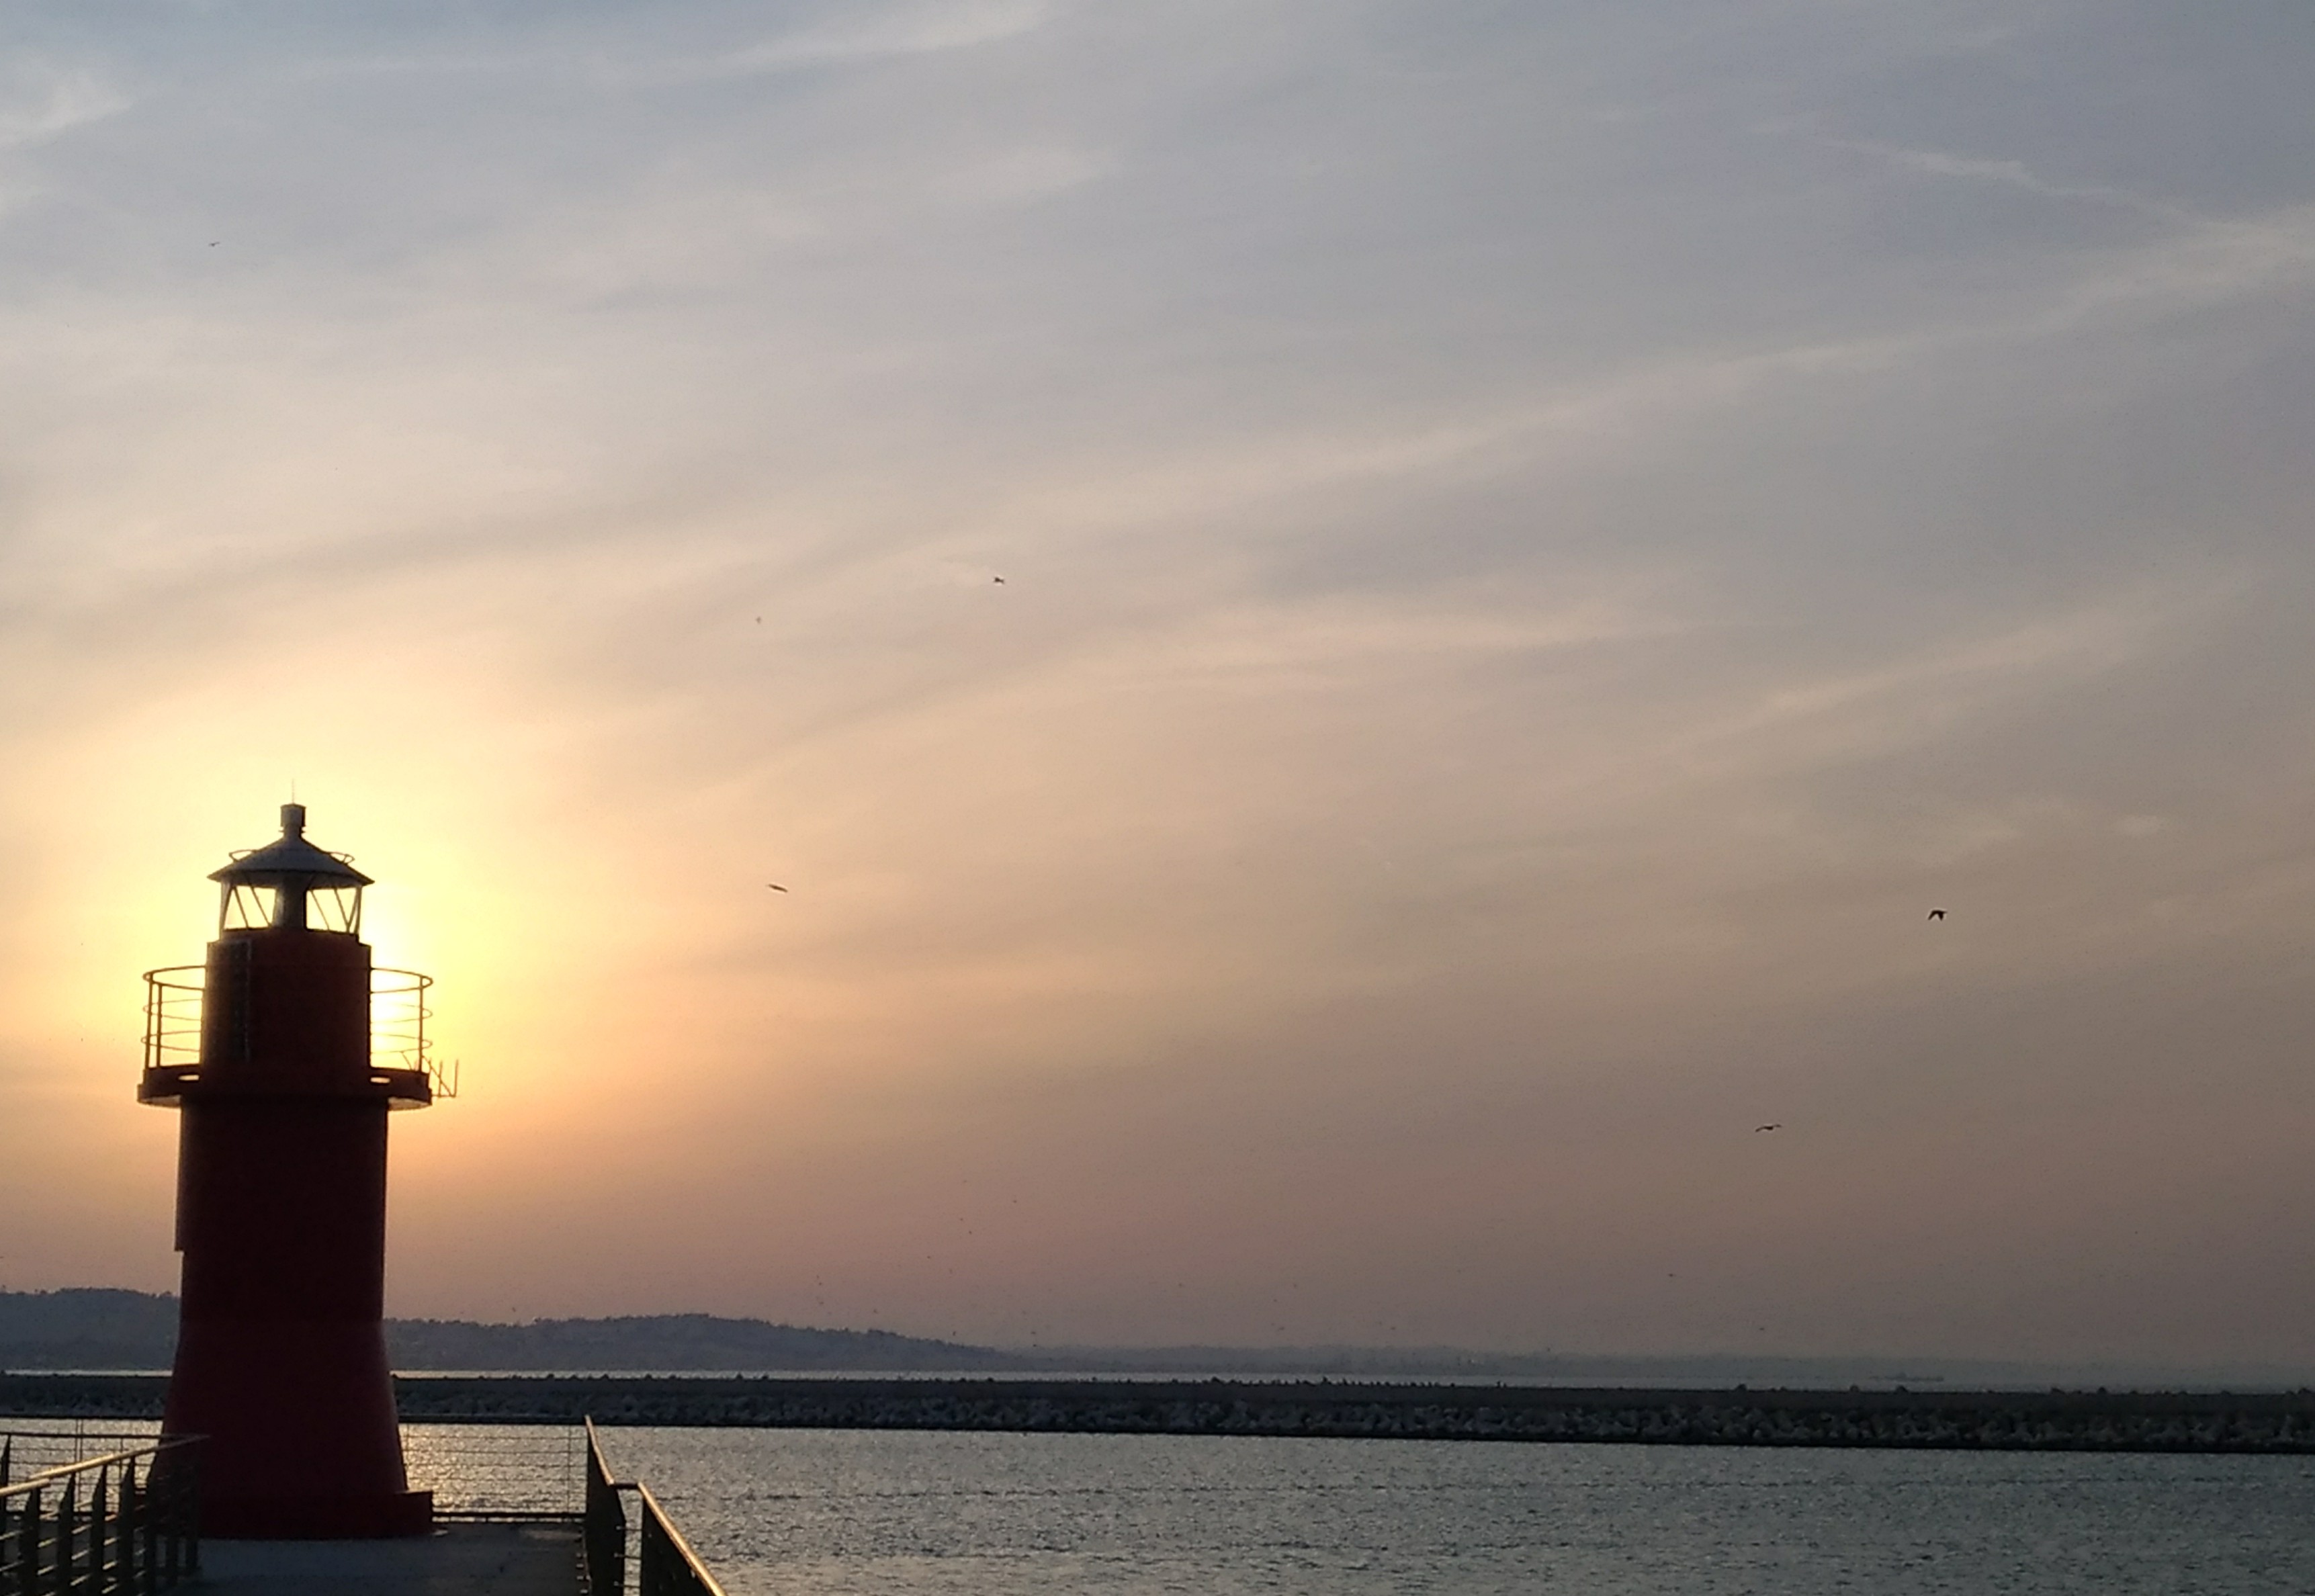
<point x="289" y="857"/>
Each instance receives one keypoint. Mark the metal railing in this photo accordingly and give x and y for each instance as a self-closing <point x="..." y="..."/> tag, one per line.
<point x="603" y="1532"/>
<point x="42" y="1446"/>
<point x="669" y="1566"/>
<point x="498" y="1474"/>
<point x="665" y="1565"/>
<point x="398" y="1012"/>
<point x="172" y="1015"/>
<point x="123" y="1521"/>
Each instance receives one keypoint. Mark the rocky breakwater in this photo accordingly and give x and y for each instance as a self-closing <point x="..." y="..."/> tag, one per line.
<point x="2055" y="1421"/>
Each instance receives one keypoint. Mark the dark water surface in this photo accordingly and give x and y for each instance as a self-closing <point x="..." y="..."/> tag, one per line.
<point x="851" y="1512"/>
<point x="807" y="1512"/>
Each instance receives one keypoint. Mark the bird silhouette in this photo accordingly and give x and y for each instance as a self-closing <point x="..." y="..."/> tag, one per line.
<point x="776" y="886"/>
<point x="1778" y="1126"/>
<point x="1937" y="914"/>
<point x="998" y="579"/>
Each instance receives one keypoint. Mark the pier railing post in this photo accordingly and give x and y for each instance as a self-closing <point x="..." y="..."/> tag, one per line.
<point x="99" y="1578"/>
<point x="125" y="1573"/>
<point x="603" y="1535"/>
<point x="140" y="1537"/>
<point x="61" y="1574"/>
<point x="28" y="1547"/>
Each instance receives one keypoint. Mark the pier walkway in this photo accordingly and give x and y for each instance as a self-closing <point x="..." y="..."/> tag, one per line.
<point x="126" y="1521"/>
<point x="456" y="1560"/>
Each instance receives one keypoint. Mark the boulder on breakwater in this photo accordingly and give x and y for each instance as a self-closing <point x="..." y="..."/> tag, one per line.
<point x="2008" y="1421"/>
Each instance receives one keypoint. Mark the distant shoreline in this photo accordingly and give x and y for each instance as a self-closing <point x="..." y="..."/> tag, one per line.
<point x="2270" y="1423"/>
<point x="105" y="1330"/>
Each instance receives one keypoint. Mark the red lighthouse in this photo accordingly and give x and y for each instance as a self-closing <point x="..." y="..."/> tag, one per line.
<point x="283" y="1092"/>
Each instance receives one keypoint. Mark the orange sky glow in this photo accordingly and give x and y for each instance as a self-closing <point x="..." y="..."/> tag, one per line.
<point x="1534" y="551"/>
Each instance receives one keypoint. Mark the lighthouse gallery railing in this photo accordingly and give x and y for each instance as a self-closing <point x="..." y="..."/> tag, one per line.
<point x="121" y="1522"/>
<point x="398" y="1012"/>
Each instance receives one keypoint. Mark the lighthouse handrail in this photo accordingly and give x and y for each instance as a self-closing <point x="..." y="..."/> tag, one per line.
<point x="397" y="1030"/>
<point x="172" y="1015"/>
<point x="137" y="1529"/>
<point x="399" y="1011"/>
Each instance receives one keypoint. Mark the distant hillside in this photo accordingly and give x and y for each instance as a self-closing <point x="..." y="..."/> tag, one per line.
<point x="111" y="1329"/>
<point x="671" y="1342"/>
<point x="86" y="1329"/>
<point x="132" y="1330"/>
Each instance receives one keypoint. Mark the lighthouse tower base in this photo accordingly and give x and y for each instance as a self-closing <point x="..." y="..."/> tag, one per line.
<point x="281" y="1360"/>
<point x="303" y="1441"/>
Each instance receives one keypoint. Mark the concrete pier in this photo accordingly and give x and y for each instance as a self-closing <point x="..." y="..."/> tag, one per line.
<point x="456" y="1560"/>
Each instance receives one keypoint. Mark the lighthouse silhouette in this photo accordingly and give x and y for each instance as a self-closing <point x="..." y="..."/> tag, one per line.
<point x="281" y="1199"/>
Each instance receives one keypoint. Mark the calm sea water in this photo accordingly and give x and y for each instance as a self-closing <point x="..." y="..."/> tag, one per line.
<point x="822" y="1513"/>
<point x="851" y="1512"/>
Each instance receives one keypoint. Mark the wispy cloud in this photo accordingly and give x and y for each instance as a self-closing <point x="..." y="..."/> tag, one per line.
<point x="2016" y="174"/>
<point x="41" y="101"/>
<point x="1027" y="175"/>
<point x="889" y="32"/>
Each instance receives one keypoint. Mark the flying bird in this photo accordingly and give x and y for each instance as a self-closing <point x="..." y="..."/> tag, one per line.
<point x="1937" y="914"/>
<point x="776" y="886"/>
<point x="998" y="579"/>
<point x="1778" y="1126"/>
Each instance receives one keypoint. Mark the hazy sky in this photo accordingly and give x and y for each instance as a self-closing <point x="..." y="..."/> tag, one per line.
<point x="1538" y="540"/>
